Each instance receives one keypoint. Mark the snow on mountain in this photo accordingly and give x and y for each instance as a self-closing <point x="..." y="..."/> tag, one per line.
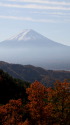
<point x="30" y="47"/>
<point x="27" y="34"/>
<point x="29" y="38"/>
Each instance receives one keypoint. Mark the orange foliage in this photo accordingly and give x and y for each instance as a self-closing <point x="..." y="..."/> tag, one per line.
<point x="46" y="106"/>
<point x="24" y="123"/>
<point x="59" y="97"/>
<point x="38" y="106"/>
<point x="10" y="114"/>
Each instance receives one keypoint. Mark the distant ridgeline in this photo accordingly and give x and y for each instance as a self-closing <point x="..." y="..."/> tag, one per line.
<point x="31" y="73"/>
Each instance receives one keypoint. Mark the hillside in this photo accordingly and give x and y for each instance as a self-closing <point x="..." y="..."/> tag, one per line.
<point x="31" y="73"/>
<point x="11" y="88"/>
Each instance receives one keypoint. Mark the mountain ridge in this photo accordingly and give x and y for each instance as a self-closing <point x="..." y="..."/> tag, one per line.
<point x="31" y="73"/>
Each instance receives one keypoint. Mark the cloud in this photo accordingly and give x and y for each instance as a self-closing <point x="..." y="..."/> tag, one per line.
<point x="27" y="19"/>
<point x="16" y="18"/>
<point x="34" y="6"/>
<point x="42" y="2"/>
<point x="32" y="19"/>
<point x="51" y="13"/>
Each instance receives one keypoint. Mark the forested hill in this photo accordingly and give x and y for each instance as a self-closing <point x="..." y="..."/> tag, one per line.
<point x="22" y="103"/>
<point x="11" y="88"/>
<point x="31" y="73"/>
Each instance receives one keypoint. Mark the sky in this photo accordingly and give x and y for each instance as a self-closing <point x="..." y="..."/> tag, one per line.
<point x="50" y="18"/>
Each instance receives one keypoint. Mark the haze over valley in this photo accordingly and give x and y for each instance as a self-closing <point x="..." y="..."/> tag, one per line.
<point x="30" y="47"/>
<point x="34" y="62"/>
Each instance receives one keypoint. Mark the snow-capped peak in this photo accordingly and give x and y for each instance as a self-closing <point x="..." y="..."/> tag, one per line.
<point x="27" y="34"/>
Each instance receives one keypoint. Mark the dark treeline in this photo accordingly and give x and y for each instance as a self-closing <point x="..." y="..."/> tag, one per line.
<point x="11" y="88"/>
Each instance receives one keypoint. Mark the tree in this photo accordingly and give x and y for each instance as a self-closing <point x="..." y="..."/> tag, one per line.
<point x="38" y="107"/>
<point x="59" y="97"/>
<point x="11" y="113"/>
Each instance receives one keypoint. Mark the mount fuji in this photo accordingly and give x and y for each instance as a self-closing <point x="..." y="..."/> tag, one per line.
<point x="29" y="38"/>
<point x="30" y="47"/>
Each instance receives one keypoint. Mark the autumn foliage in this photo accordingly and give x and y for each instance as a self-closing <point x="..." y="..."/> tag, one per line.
<point x="45" y="106"/>
<point x="11" y="112"/>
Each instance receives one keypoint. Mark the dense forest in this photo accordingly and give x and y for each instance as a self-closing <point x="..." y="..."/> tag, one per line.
<point x="24" y="103"/>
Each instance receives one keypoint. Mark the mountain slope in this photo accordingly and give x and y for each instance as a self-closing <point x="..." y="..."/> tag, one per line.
<point x="30" y="47"/>
<point x="11" y="88"/>
<point x="29" y="37"/>
<point x="31" y="73"/>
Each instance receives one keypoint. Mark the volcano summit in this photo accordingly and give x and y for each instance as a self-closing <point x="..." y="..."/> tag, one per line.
<point x="30" y="47"/>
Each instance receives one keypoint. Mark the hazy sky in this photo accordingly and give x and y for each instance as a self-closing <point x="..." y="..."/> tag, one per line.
<point x="51" y="18"/>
